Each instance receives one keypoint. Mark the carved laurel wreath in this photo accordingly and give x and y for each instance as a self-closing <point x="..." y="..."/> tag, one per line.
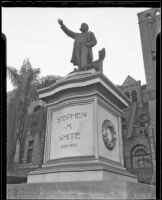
<point x="110" y="144"/>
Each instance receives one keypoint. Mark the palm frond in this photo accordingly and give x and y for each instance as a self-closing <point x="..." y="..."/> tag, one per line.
<point x="13" y="76"/>
<point x="26" y="81"/>
<point x="28" y="76"/>
<point x="48" y="80"/>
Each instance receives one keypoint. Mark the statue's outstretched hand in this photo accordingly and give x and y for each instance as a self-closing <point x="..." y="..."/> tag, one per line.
<point x="60" y="21"/>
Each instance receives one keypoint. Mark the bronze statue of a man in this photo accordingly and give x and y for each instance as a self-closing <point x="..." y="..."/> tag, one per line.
<point x="84" y="41"/>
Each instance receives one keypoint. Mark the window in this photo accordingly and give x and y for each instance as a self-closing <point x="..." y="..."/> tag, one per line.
<point x="148" y="15"/>
<point x="37" y="108"/>
<point x="29" y="155"/>
<point x="143" y="117"/>
<point x="124" y="123"/>
<point x="141" y="158"/>
<point x="29" y="151"/>
<point x="30" y="143"/>
<point x="143" y="120"/>
<point x="134" y="95"/>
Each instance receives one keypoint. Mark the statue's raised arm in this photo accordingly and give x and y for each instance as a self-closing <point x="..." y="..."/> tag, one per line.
<point x="84" y="41"/>
<point x="66" y="30"/>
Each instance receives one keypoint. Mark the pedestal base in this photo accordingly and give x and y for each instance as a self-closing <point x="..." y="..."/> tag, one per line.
<point x="83" y="172"/>
<point x="82" y="190"/>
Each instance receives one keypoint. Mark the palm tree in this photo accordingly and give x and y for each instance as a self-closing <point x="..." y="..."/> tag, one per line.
<point x="24" y="94"/>
<point x="25" y="83"/>
<point x="48" y="80"/>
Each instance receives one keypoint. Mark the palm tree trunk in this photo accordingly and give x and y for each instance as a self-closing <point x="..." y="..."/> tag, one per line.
<point x="17" y="152"/>
<point x="19" y="135"/>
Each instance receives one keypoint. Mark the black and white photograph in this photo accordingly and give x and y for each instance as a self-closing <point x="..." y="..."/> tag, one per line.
<point x="81" y="101"/>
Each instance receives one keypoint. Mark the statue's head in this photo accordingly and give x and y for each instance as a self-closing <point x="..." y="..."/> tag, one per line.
<point x="84" y="27"/>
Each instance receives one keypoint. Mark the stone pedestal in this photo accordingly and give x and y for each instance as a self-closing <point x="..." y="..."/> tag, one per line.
<point x="84" y="132"/>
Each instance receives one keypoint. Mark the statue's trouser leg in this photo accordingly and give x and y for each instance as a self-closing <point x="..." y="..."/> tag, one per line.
<point x="78" y="57"/>
<point x="84" y="57"/>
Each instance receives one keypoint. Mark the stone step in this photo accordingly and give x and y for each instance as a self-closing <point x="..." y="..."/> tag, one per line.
<point x="81" y="190"/>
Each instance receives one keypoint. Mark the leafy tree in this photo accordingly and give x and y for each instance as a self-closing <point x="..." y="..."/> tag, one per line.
<point x="23" y="81"/>
<point x="11" y="126"/>
<point x="48" y="80"/>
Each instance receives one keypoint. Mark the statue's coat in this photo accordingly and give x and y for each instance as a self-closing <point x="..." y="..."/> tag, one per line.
<point x="91" y="41"/>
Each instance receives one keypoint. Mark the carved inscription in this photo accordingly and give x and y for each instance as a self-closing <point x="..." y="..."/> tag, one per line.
<point x="78" y="115"/>
<point x="72" y="131"/>
<point x="68" y="134"/>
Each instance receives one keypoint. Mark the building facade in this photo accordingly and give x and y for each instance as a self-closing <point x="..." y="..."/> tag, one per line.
<point x="138" y="133"/>
<point x="139" y="120"/>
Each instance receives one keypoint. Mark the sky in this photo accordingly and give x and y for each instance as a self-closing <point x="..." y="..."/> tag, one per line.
<point x="34" y="33"/>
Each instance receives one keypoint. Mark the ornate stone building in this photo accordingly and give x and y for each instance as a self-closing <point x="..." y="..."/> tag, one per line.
<point x="138" y="133"/>
<point x="139" y="120"/>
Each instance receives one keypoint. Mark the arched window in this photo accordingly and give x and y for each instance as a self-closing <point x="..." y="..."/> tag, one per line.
<point x="148" y="15"/>
<point x="140" y="157"/>
<point x="134" y="95"/>
<point x="127" y="94"/>
<point x="38" y="107"/>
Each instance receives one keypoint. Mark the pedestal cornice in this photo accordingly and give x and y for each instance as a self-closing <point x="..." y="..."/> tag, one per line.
<point x="84" y="80"/>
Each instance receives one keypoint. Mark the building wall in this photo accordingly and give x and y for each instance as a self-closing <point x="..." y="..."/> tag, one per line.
<point x="138" y="135"/>
<point x="150" y="27"/>
<point x="33" y="144"/>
